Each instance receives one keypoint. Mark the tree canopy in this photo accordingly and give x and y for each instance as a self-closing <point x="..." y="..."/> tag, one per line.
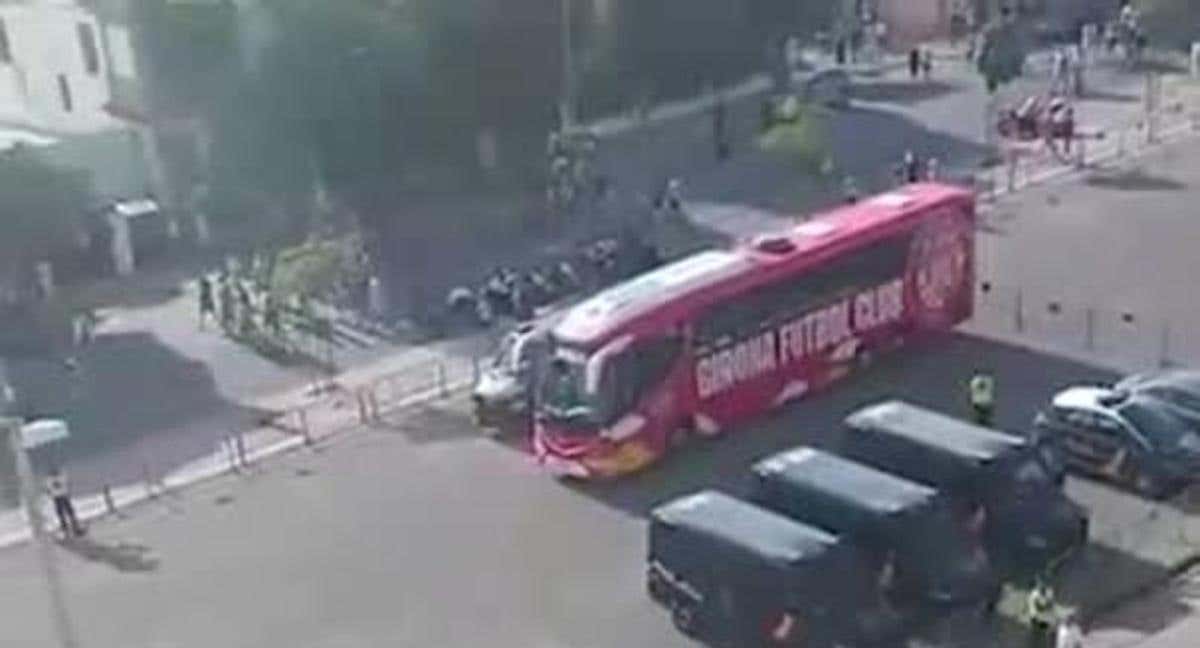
<point x="1001" y="54"/>
<point x="40" y="208"/>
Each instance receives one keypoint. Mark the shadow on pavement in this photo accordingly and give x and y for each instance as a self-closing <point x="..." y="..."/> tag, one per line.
<point x="869" y="143"/>
<point x="134" y="406"/>
<point x="901" y="92"/>
<point x="129" y="557"/>
<point x="434" y="422"/>
<point x="1102" y="578"/>
<point x="932" y="373"/>
<point x="1133" y="180"/>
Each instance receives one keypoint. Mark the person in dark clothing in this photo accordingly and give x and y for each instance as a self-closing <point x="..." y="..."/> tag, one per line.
<point x="911" y="167"/>
<point x="208" y="307"/>
<point x="60" y="495"/>
<point x="720" y="137"/>
<point x="245" y="309"/>
<point x="227" y="305"/>
<point x="914" y="62"/>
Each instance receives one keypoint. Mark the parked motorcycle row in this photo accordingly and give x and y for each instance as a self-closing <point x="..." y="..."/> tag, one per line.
<point x="509" y="293"/>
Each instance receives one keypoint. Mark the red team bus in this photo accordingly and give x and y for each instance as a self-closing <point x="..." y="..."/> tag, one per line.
<point x="702" y="344"/>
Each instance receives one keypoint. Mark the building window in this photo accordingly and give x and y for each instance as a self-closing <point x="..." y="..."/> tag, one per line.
<point x="64" y="93"/>
<point x="87" y="44"/>
<point x="5" y="48"/>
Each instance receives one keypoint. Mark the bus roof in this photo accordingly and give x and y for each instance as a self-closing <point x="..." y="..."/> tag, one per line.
<point x="936" y="431"/>
<point x="747" y="527"/>
<point x="702" y="278"/>
<point x="850" y="482"/>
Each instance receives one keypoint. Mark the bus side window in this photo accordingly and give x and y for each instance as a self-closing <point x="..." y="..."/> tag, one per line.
<point x="631" y="374"/>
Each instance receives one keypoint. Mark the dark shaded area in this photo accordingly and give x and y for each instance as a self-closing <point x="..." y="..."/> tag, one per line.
<point x="433" y="422"/>
<point x="134" y="406"/>
<point x="930" y="373"/>
<point x="1078" y="586"/>
<point x="1169" y="605"/>
<point x="1133" y="180"/>
<point x="127" y="557"/>
<point x="902" y="92"/>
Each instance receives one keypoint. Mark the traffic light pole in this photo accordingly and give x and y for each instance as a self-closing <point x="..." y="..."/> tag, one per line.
<point x="10" y="428"/>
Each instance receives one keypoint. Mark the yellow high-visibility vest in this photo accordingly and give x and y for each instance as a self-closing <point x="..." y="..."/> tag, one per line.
<point x="982" y="390"/>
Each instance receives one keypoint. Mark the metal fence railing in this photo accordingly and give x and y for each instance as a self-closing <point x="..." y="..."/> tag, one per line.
<point x="1126" y="339"/>
<point x="339" y="407"/>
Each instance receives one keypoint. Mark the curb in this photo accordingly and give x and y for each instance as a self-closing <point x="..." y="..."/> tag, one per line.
<point x="1170" y="135"/>
<point x="219" y="467"/>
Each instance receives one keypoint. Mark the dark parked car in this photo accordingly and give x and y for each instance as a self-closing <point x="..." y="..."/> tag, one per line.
<point x="1179" y="389"/>
<point x="899" y="523"/>
<point x="1125" y="436"/>
<point x="736" y="574"/>
<point x="1028" y="521"/>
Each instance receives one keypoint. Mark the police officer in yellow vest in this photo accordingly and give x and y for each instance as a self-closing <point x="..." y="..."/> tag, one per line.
<point x="1040" y="611"/>
<point x="983" y="398"/>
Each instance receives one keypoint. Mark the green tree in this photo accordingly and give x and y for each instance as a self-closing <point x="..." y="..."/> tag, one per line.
<point x="1001" y="54"/>
<point x="330" y="101"/>
<point x="1170" y="23"/>
<point x="40" y="209"/>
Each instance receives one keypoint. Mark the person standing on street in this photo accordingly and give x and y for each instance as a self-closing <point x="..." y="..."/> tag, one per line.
<point x="720" y="136"/>
<point x="910" y="167"/>
<point x="914" y="62"/>
<point x="1069" y="634"/>
<point x="207" y="306"/>
<point x="927" y="64"/>
<point x="1039" y="611"/>
<point x="60" y="495"/>
<point x="983" y="398"/>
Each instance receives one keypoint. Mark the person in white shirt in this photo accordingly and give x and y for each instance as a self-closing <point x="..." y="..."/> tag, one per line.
<point x="60" y="494"/>
<point x="1069" y="634"/>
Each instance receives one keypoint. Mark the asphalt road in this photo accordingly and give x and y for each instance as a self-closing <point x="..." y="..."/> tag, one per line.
<point x="1116" y="246"/>
<point x="426" y="534"/>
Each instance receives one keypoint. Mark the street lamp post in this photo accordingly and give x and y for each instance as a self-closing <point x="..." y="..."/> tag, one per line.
<point x="567" y="105"/>
<point x="11" y="429"/>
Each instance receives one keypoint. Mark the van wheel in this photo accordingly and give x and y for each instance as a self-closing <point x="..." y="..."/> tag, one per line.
<point x="683" y="615"/>
<point x="1148" y="484"/>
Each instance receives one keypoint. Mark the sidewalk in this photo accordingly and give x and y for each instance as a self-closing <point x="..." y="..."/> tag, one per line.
<point x="299" y="417"/>
<point x="1168" y="617"/>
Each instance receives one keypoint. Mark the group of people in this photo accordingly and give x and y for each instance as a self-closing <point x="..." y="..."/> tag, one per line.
<point x="1126" y="32"/>
<point x="1066" y="71"/>
<point x="245" y="307"/>
<point x="514" y="294"/>
<point x="1049" y="625"/>
<point x="571" y="165"/>
<point x="920" y="63"/>
<point x="510" y="293"/>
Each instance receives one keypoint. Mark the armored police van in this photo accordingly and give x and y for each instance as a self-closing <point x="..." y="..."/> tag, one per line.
<point x="1008" y="485"/>
<point x="732" y="572"/>
<point x="905" y="527"/>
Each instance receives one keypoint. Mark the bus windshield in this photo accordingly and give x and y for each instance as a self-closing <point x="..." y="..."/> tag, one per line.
<point x="565" y="392"/>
